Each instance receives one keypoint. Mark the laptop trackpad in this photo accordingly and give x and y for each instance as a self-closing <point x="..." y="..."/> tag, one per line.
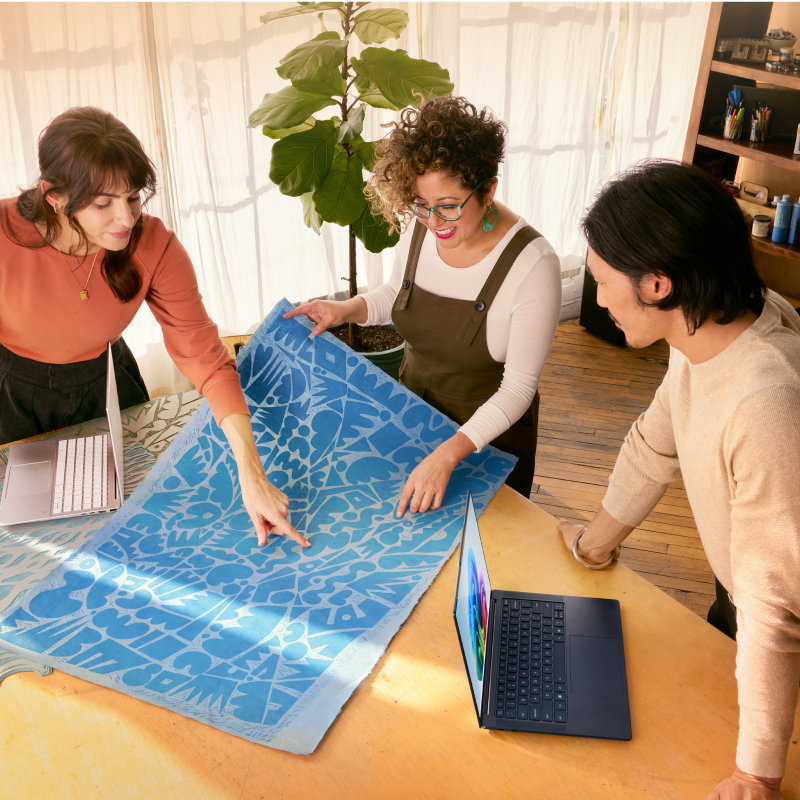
<point x="25" y="480"/>
<point x="594" y="665"/>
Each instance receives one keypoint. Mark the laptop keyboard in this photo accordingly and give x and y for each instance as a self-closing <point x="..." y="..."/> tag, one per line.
<point x="81" y="482"/>
<point x="531" y="675"/>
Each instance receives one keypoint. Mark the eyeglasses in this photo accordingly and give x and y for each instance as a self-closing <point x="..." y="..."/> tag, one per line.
<point x="449" y="212"/>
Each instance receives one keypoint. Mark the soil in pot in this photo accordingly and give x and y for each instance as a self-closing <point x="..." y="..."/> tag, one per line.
<point x="373" y="338"/>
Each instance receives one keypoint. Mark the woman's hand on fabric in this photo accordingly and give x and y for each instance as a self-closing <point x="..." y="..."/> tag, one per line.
<point x="330" y="313"/>
<point x="267" y="506"/>
<point x="428" y="481"/>
<point x="743" y="786"/>
<point x="426" y="485"/>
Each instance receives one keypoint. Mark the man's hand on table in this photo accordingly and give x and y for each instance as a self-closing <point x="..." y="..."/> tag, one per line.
<point x="600" y="538"/>
<point x="743" y="786"/>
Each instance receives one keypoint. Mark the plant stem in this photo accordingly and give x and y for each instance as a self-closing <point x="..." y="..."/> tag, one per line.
<point x="353" y="330"/>
<point x="347" y="20"/>
<point x="352" y="281"/>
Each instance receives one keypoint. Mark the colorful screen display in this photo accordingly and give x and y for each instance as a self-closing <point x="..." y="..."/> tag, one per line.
<point x="472" y="603"/>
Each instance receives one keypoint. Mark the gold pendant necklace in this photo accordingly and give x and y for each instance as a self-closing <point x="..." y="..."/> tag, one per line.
<point x="85" y="289"/>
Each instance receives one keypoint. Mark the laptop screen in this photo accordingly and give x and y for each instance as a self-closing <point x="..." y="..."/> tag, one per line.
<point x="114" y="422"/>
<point x="471" y="609"/>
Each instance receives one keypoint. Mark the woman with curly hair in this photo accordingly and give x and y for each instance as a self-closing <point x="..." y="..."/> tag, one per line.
<point x="475" y="291"/>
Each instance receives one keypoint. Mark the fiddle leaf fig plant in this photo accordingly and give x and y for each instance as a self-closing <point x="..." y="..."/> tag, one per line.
<point x="320" y="154"/>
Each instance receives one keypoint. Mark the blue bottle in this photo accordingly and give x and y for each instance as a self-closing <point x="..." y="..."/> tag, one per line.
<point x="783" y="215"/>
<point x="793" y="223"/>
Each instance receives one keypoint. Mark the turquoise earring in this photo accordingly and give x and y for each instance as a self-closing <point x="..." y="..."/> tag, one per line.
<point x="489" y="219"/>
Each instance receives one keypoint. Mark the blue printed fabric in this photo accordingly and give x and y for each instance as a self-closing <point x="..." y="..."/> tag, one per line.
<point x="30" y="552"/>
<point x="173" y="602"/>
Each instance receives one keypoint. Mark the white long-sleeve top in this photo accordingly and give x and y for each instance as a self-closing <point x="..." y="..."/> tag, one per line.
<point x="519" y="326"/>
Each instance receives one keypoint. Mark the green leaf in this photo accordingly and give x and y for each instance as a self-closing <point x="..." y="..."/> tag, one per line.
<point x="372" y="97"/>
<point x="282" y="133"/>
<point x="350" y="130"/>
<point x="287" y="108"/>
<point x="328" y="84"/>
<point x="369" y="94"/>
<point x="301" y="8"/>
<point x="311" y="217"/>
<point x="340" y="198"/>
<point x="400" y="78"/>
<point x="366" y="152"/>
<point x="316" y="62"/>
<point x="301" y="162"/>
<point x="374" y="232"/>
<point x="379" y="25"/>
<point x="362" y="84"/>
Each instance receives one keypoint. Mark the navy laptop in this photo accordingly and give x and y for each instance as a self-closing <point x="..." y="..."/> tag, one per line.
<point x="535" y="662"/>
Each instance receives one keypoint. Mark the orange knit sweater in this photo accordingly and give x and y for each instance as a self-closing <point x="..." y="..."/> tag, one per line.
<point x="42" y="316"/>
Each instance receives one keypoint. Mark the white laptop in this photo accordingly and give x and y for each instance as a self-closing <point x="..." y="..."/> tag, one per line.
<point x="67" y="476"/>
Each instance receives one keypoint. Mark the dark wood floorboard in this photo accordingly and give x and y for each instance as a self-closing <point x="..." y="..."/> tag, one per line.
<point x="591" y="393"/>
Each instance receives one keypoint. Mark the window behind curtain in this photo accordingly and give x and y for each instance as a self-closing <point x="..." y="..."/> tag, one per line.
<point x="585" y="88"/>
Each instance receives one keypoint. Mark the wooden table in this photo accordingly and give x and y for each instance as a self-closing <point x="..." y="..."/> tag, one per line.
<point x="410" y="730"/>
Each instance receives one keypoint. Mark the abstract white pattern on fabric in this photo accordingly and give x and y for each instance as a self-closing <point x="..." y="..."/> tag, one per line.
<point x="30" y="552"/>
<point x="173" y="602"/>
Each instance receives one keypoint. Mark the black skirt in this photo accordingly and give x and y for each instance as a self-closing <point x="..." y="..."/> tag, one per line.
<point x="36" y="397"/>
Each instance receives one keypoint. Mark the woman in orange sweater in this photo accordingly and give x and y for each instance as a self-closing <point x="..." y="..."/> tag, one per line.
<point x="77" y="260"/>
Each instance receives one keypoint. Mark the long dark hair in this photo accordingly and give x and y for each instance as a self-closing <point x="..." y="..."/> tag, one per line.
<point x="664" y="217"/>
<point x="82" y="153"/>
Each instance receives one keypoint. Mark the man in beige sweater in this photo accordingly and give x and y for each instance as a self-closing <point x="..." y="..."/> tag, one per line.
<point x="671" y="255"/>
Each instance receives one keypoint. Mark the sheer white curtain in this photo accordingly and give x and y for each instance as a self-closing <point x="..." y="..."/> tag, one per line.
<point x="586" y="89"/>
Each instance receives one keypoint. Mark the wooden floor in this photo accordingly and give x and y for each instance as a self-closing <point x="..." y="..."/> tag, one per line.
<point x="591" y="392"/>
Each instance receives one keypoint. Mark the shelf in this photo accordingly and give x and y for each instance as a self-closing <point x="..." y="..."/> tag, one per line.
<point x="778" y="154"/>
<point x="739" y="69"/>
<point x="769" y="162"/>
<point x="785" y="251"/>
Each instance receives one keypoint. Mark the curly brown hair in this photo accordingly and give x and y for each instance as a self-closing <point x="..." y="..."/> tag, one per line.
<point x="445" y="133"/>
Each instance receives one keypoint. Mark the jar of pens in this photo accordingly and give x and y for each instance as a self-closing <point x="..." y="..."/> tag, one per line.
<point x="759" y="122"/>
<point x="734" y="115"/>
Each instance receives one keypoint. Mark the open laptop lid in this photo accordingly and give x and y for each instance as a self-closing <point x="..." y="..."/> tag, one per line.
<point x="471" y="606"/>
<point x="29" y="482"/>
<point x="114" y="423"/>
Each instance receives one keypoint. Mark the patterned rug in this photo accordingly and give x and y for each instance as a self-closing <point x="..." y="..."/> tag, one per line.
<point x="28" y="553"/>
<point x="173" y="602"/>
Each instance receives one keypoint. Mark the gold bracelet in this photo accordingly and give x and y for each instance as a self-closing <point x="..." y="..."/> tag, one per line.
<point x="588" y="564"/>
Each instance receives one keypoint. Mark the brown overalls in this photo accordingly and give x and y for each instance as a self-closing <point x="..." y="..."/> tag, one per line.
<point x="447" y="360"/>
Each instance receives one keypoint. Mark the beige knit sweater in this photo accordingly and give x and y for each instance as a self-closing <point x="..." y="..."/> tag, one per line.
<point x="731" y="427"/>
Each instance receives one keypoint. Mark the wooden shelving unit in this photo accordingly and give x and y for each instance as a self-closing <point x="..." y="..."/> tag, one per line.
<point x="788" y="252"/>
<point x="738" y="69"/>
<point x="705" y="146"/>
<point x="779" y="154"/>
